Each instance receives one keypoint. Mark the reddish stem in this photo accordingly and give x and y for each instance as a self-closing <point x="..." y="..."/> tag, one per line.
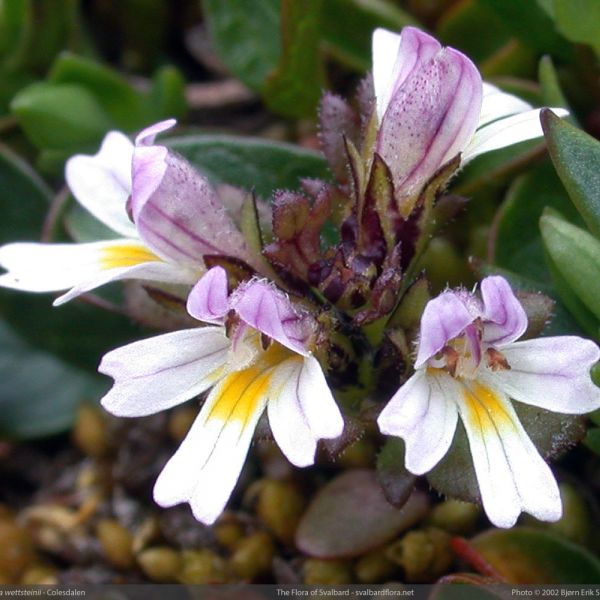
<point x="463" y="549"/>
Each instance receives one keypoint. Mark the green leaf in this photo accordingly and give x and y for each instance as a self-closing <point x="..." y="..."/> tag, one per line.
<point x="347" y="27"/>
<point x="294" y="88"/>
<point x="24" y="198"/>
<point x="576" y="255"/>
<point x="592" y="440"/>
<point x="518" y="246"/>
<point x="168" y="93"/>
<point x="250" y="163"/>
<point x="33" y="31"/>
<point x="552" y="94"/>
<point x="523" y="555"/>
<point x="531" y="24"/>
<point x="38" y="392"/>
<point x="576" y="156"/>
<point x="396" y="482"/>
<point x="456" y="27"/>
<point x="59" y="116"/>
<point x="584" y="317"/>
<point x="579" y="21"/>
<point x="14" y="19"/>
<point x="247" y="37"/>
<point x="110" y="89"/>
<point x="350" y="516"/>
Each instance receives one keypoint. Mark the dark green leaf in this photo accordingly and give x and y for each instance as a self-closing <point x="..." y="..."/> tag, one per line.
<point x="247" y="37"/>
<point x="576" y="255"/>
<point x="576" y="156"/>
<point x="294" y="88"/>
<point x="456" y="28"/>
<point x="110" y="89"/>
<point x="592" y="440"/>
<point x="14" y="21"/>
<point x="348" y="25"/>
<point x="350" y="516"/>
<point x="38" y="392"/>
<point x="168" y="93"/>
<point x="524" y="555"/>
<point x="396" y="482"/>
<point x="24" y="198"/>
<point x="531" y="24"/>
<point x="250" y="163"/>
<point x="552" y="94"/>
<point x="584" y="317"/>
<point x="579" y="21"/>
<point x="518" y="245"/>
<point x="60" y="116"/>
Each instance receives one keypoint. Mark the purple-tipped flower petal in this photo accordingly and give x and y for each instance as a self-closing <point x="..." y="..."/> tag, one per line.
<point x="505" y="317"/>
<point x="444" y="318"/>
<point x="209" y="299"/>
<point x="428" y="112"/>
<point x="395" y="58"/>
<point x="432" y="106"/>
<point x="261" y="306"/>
<point x="176" y="210"/>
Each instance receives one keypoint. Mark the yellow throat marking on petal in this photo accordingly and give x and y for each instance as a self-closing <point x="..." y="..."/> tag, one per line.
<point x="485" y="409"/>
<point x="126" y="255"/>
<point x="241" y="392"/>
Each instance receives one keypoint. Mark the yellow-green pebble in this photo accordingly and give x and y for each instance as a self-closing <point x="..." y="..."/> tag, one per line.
<point x="280" y="506"/>
<point x="374" y="566"/>
<point x="39" y="575"/>
<point x="117" y="543"/>
<point x="455" y="516"/>
<point x="424" y="554"/>
<point x="16" y="550"/>
<point x="229" y="533"/>
<point x="202" y="566"/>
<point x="161" y="563"/>
<point x="327" y="572"/>
<point x="253" y="556"/>
<point x="89" y="432"/>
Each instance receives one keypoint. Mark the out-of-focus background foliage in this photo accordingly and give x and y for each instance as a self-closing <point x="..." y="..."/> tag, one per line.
<point x="244" y="79"/>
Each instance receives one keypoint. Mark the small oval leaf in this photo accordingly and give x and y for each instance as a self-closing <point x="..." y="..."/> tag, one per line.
<point x="350" y="515"/>
<point x="525" y="555"/>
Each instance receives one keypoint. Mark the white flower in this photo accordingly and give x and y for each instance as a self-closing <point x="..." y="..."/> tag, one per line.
<point x="264" y="363"/>
<point x="470" y="364"/>
<point x="178" y="218"/>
